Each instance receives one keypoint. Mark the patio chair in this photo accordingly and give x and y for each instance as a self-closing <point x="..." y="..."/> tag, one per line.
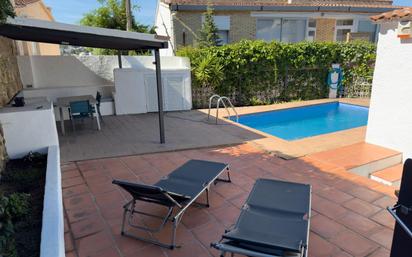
<point x="177" y="191"/>
<point x="274" y="221"/>
<point x="79" y="110"/>
<point x="98" y="100"/>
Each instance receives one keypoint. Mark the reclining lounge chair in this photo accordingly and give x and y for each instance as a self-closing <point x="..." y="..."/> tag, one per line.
<point x="274" y="221"/>
<point x="176" y="192"/>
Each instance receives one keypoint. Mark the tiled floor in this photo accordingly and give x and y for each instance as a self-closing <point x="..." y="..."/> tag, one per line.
<point x="349" y="216"/>
<point x="138" y="134"/>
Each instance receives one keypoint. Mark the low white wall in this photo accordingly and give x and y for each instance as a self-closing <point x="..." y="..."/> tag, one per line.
<point x="52" y="233"/>
<point x="81" y="71"/>
<point x="27" y="129"/>
<point x="390" y="119"/>
<point x="57" y="72"/>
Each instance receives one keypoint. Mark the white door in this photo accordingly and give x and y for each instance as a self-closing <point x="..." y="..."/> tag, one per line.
<point x="151" y="92"/>
<point x="130" y="92"/>
<point x="174" y="92"/>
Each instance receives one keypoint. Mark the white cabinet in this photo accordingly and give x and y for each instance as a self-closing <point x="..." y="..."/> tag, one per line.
<point x="177" y="95"/>
<point x="130" y="95"/>
<point x="142" y="87"/>
<point x="174" y="88"/>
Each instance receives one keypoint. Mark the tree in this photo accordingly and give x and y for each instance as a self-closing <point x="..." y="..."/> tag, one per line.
<point x="209" y="33"/>
<point x="6" y="10"/>
<point x="128" y="15"/>
<point x="112" y="15"/>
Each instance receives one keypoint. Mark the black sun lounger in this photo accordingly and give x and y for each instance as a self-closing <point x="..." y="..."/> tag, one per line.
<point x="176" y="192"/>
<point x="274" y="221"/>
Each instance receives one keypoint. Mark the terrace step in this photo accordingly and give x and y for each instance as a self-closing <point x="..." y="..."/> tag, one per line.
<point x="390" y="176"/>
<point x="362" y="158"/>
<point x="367" y="168"/>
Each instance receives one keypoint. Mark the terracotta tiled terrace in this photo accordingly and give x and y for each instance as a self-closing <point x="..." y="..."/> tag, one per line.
<point x="349" y="216"/>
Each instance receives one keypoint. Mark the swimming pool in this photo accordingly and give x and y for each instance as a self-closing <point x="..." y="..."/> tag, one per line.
<point x="307" y="121"/>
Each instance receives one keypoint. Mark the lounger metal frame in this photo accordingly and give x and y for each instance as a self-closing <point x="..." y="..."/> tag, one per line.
<point x="130" y="210"/>
<point x="224" y="247"/>
<point x="227" y="248"/>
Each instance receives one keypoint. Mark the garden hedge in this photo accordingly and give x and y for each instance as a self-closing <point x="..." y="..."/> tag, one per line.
<point x="257" y="72"/>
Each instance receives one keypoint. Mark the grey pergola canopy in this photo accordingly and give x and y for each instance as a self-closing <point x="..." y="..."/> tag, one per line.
<point x="67" y="34"/>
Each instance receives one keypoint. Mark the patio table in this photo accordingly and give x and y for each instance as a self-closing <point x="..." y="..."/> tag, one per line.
<point x="64" y="102"/>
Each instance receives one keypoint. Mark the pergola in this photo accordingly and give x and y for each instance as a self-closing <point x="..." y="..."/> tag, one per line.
<point x="67" y="34"/>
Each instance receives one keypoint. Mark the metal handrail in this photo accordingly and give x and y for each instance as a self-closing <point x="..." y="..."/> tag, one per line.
<point x="210" y="103"/>
<point x="221" y="99"/>
<point x="398" y="220"/>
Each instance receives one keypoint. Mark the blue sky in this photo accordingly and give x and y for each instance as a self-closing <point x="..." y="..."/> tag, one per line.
<point x="71" y="11"/>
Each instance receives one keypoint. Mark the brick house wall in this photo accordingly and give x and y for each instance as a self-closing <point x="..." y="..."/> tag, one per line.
<point x="10" y="83"/>
<point x="242" y="26"/>
<point x="325" y="29"/>
<point x="188" y="23"/>
<point x="186" y="18"/>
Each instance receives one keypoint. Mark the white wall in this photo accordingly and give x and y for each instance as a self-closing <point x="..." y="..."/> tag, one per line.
<point x="27" y="129"/>
<point x="58" y="71"/>
<point x="164" y="27"/>
<point x="52" y="232"/>
<point x="390" y="113"/>
<point x="85" y="71"/>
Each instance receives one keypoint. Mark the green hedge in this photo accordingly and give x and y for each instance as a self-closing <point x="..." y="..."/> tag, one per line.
<point x="256" y="72"/>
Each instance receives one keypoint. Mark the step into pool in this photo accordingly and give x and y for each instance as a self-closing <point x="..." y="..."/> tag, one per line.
<point x="307" y="121"/>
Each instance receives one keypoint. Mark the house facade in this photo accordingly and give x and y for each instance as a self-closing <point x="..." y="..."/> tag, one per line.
<point x="390" y="122"/>
<point x="281" y="20"/>
<point x="35" y="9"/>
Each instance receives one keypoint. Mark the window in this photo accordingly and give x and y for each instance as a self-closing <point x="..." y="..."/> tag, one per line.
<point x="311" y="30"/>
<point x="223" y="25"/>
<point x="293" y="30"/>
<point x="341" y="34"/>
<point x="268" y="29"/>
<point x="285" y="30"/>
<point x="343" y="27"/>
<point x="344" y="23"/>
<point x="368" y="27"/>
<point x="223" y="36"/>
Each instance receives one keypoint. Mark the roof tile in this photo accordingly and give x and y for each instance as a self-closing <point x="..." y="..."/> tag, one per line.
<point x="332" y="3"/>
<point x="400" y="14"/>
<point x="22" y="3"/>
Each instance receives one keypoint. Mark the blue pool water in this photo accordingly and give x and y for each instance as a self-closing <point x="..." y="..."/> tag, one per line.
<point x="296" y="123"/>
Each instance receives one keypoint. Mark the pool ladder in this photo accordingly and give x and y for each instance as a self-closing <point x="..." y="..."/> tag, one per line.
<point x="221" y="99"/>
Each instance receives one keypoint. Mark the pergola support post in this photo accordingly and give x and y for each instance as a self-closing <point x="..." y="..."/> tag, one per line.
<point x="119" y="59"/>
<point x="159" y="96"/>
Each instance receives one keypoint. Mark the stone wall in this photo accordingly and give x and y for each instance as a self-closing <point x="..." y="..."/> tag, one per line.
<point x="10" y="83"/>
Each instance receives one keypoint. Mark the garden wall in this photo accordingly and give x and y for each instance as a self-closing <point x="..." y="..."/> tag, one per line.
<point x="10" y="83"/>
<point x="256" y="72"/>
<point x="390" y="120"/>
